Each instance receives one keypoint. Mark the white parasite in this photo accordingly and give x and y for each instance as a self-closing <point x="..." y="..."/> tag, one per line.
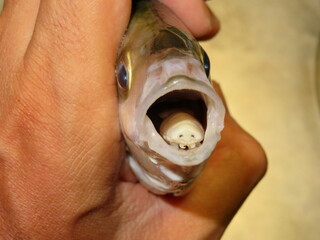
<point x="182" y="130"/>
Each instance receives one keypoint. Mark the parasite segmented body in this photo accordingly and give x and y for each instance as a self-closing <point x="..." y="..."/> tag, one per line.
<point x="170" y="115"/>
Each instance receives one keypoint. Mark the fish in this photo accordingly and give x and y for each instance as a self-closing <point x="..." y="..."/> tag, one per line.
<point x="170" y="115"/>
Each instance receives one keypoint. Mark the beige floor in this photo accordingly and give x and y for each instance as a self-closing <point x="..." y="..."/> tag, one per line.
<point x="264" y="59"/>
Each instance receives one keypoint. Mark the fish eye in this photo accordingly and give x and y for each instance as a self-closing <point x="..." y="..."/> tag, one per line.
<point x="122" y="77"/>
<point x="206" y="62"/>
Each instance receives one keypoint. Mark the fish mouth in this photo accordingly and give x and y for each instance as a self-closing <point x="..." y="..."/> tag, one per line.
<point x="191" y="107"/>
<point x="185" y="96"/>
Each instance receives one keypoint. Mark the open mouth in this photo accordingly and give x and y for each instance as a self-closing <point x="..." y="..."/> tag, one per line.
<point x="180" y="117"/>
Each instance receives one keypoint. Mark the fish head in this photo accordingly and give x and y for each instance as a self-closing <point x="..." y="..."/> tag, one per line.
<point x="163" y="72"/>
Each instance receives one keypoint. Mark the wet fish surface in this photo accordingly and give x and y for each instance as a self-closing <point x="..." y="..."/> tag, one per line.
<point x="170" y="115"/>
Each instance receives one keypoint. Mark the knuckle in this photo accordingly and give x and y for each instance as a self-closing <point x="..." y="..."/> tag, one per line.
<point x="255" y="159"/>
<point x="64" y="29"/>
<point x="31" y="103"/>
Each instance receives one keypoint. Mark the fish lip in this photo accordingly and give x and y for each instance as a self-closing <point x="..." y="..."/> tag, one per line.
<point x="177" y="82"/>
<point x="154" y="142"/>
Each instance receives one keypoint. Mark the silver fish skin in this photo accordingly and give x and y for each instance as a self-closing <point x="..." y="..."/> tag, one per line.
<point x="161" y="69"/>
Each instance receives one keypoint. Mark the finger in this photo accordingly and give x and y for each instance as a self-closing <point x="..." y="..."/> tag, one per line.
<point x="17" y="24"/>
<point x="70" y="61"/>
<point x="197" y="17"/>
<point x="77" y="21"/>
<point x="76" y="43"/>
<point x="236" y="166"/>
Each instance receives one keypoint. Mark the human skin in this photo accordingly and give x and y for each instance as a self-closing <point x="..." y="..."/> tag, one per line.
<point x="61" y="147"/>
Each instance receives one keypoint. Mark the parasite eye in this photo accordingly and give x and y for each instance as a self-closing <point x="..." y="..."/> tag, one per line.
<point x="122" y="77"/>
<point x="206" y="62"/>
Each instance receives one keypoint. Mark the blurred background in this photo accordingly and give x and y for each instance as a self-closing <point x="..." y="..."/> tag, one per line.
<point x="265" y="59"/>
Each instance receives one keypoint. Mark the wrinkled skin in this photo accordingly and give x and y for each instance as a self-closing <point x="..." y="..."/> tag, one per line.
<point x="60" y="143"/>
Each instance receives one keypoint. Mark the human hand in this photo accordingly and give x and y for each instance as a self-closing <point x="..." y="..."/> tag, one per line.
<point x="60" y="143"/>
